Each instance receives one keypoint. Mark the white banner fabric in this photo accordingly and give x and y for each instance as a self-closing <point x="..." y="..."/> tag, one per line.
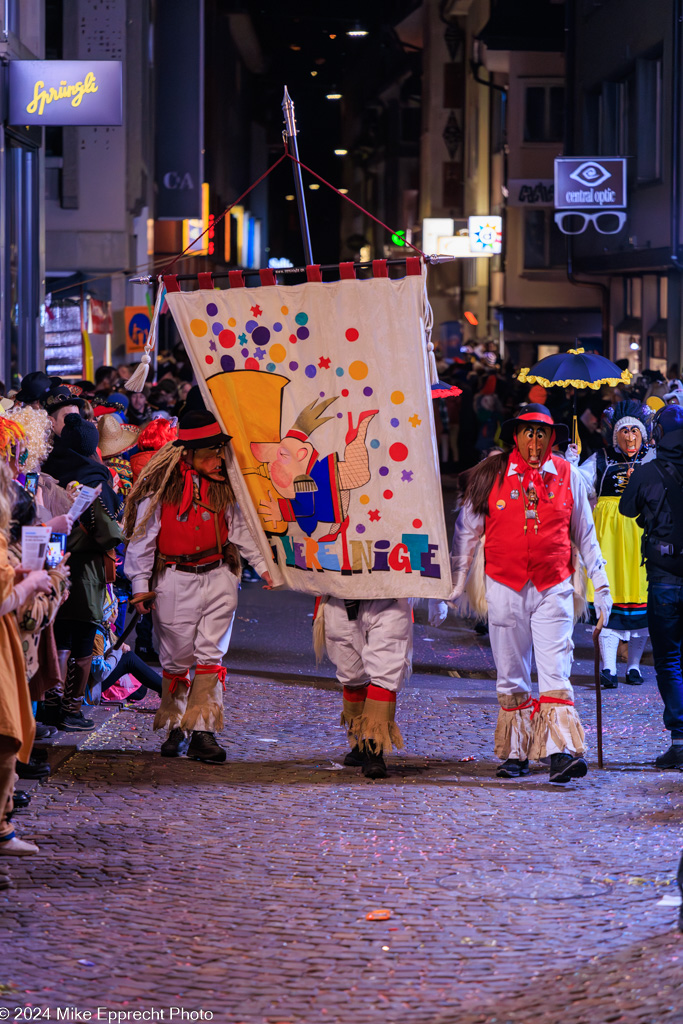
<point x="325" y="390"/>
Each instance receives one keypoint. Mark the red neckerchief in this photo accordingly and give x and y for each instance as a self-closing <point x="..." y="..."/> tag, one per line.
<point x="187" y="499"/>
<point x="530" y="474"/>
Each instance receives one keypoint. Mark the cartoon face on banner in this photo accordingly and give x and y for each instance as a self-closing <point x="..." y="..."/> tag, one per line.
<point x="324" y="389"/>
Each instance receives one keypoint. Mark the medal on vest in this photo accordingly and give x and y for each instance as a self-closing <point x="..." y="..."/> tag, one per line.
<point x="514" y="494"/>
<point x="530" y="508"/>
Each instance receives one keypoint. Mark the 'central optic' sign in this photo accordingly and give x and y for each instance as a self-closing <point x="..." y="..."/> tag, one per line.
<point x="584" y="183"/>
<point x="65" y="92"/>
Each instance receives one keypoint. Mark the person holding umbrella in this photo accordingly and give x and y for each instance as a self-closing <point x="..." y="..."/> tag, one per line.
<point x="626" y="429"/>
<point x="530" y="510"/>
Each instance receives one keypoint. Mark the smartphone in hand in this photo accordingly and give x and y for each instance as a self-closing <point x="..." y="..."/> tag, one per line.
<point x="55" y="550"/>
<point x="31" y="484"/>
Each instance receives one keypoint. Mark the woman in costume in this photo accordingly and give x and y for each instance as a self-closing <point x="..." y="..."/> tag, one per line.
<point x="626" y="429"/>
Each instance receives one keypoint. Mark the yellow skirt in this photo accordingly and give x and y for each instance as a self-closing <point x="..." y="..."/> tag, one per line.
<point x="619" y="539"/>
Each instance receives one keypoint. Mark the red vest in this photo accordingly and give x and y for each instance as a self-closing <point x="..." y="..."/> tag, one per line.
<point x="513" y="557"/>
<point x="195" y="534"/>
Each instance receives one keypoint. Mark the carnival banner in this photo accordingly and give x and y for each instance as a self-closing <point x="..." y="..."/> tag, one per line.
<point x="325" y="389"/>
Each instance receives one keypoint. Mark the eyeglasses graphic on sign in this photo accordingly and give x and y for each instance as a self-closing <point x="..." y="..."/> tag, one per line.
<point x="486" y="235"/>
<point x="605" y="222"/>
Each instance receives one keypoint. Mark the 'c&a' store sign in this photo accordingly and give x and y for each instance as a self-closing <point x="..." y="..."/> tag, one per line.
<point x="65" y="92"/>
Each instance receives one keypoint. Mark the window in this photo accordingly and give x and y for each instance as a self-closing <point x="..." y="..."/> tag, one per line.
<point x="544" y="113"/>
<point x="613" y="118"/>
<point x="649" y="131"/>
<point x="544" y="244"/>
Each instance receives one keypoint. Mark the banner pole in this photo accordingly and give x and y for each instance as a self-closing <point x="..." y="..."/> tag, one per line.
<point x="290" y="133"/>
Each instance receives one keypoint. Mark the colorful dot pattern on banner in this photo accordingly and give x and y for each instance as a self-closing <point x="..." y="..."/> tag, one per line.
<point x="263" y="341"/>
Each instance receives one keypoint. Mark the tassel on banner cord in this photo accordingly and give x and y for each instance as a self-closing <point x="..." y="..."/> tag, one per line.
<point x="139" y="377"/>
<point x="429" y="324"/>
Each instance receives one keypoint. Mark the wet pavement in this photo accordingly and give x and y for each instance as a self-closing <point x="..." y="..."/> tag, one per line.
<point x="243" y="890"/>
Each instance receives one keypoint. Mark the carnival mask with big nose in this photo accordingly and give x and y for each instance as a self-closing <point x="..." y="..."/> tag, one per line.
<point x="630" y="440"/>
<point x="533" y="443"/>
<point x="208" y="462"/>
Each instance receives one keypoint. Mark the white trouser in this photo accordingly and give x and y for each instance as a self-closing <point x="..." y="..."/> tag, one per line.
<point x="520" y="621"/>
<point x="193" y="617"/>
<point x="374" y="648"/>
<point x="609" y="647"/>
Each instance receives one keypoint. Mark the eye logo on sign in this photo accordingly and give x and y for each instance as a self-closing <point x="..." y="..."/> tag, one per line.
<point x="590" y="173"/>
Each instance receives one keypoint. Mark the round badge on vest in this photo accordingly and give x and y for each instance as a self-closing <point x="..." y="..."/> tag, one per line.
<point x="500" y="504"/>
<point x="514" y="494"/>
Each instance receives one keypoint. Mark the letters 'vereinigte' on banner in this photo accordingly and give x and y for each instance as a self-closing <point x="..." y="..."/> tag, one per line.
<point x="326" y="392"/>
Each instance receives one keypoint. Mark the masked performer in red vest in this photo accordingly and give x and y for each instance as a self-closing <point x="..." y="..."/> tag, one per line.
<point x="185" y="534"/>
<point x="530" y="507"/>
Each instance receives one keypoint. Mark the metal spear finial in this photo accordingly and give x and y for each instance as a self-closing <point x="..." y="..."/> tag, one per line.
<point x="291" y="133"/>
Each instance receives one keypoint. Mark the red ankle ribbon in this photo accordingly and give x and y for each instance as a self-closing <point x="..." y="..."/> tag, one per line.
<point x="531" y="702"/>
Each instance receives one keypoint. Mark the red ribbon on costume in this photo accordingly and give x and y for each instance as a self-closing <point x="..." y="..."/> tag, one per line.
<point x="532" y="474"/>
<point x="219" y="670"/>
<point x="175" y="680"/>
<point x="187" y="498"/>
<point x="535" y="705"/>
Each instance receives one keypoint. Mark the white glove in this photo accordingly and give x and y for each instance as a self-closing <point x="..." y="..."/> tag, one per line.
<point x="603" y="604"/>
<point x="458" y="588"/>
<point x="572" y="454"/>
<point x="438" y="610"/>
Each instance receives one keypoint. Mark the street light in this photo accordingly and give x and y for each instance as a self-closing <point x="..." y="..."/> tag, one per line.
<point x="340" y="152"/>
<point x="333" y="96"/>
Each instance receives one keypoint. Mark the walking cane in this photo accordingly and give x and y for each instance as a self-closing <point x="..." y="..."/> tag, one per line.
<point x="598" y="692"/>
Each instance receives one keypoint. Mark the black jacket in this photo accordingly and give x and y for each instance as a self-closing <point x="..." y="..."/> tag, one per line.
<point x="653" y="496"/>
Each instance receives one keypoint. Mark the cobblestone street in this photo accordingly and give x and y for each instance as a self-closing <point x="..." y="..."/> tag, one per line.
<point x="243" y="889"/>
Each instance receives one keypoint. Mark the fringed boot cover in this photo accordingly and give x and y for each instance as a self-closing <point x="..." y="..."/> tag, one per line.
<point x="352" y="711"/>
<point x="556" y="719"/>
<point x="512" y="737"/>
<point x="204" y="712"/>
<point x="174" y="692"/>
<point x="377" y="725"/>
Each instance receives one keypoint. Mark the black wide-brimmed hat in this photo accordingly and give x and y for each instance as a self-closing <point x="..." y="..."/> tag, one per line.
<point x="57" y="397"/>
<point x="33" y="387"/>
<point x="200" y="430"/>
<point x="533" y="413"/>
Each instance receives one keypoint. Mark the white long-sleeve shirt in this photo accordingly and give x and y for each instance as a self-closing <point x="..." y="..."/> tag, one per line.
<point x="470" y="526"/>
<point x="141" y="552"/>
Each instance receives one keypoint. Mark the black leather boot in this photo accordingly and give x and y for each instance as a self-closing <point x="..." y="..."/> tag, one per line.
<point x="375" y="766"/>
<point x="203" y="747"/>
<point x="355" y="758"/>
<point x="175" y="744"/>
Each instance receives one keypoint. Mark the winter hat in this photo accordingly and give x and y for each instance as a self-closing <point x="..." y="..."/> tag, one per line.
<point x="670" y="418"/>
<point x="80" y="435"/>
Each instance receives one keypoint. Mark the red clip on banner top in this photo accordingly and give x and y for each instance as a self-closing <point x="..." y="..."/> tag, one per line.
<point x="236" y="278"/>
<point x="313" y="272"/>
<point x="413" y="266"/>
<point x="171" y="283"/>
<point x="347" y="272"/>
<point x="205" y="280"/>
<point x="267" y="277"/>
<point x="379" y="268"/>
